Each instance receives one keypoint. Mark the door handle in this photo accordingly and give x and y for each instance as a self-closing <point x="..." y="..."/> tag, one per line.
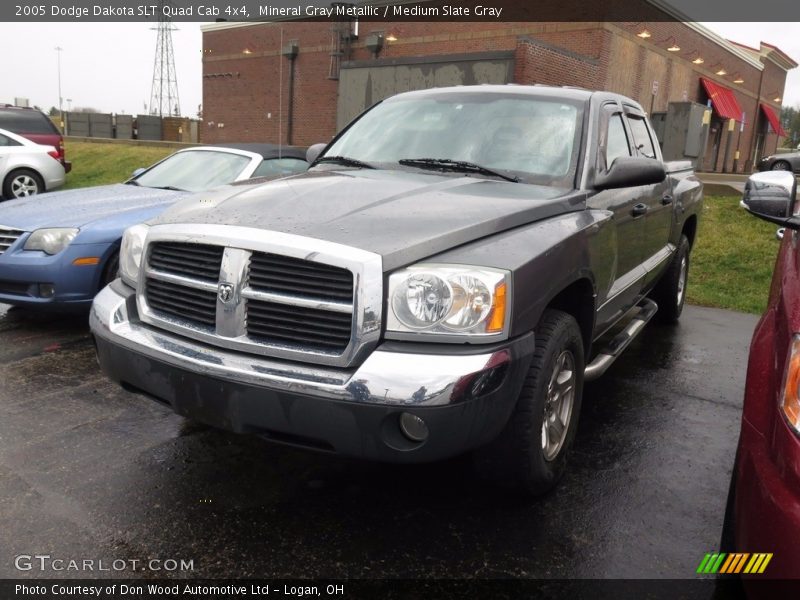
<point x="666" y="199"/>
<point x="639" y="210"/>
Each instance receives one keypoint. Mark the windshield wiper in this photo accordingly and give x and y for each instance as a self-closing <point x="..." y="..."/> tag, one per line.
<point x="448" y="164"/>
<point x="171" y="188"/>
<point x="346" y="160"/>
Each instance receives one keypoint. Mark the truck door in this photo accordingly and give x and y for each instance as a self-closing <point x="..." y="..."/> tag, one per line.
<point x="659" y="201"/>
<point x="624" y="286"/>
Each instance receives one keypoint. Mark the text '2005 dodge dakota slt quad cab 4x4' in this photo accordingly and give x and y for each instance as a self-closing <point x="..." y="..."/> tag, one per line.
<point x="443" y="279"/>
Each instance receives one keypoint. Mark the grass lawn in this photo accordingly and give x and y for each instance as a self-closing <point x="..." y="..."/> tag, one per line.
<point x="733" y="258"/>
<point x="99" y="164"/>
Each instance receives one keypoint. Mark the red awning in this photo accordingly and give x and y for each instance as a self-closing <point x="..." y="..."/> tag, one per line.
<point x="773" y="119"/>
<point x="723" y="100"/>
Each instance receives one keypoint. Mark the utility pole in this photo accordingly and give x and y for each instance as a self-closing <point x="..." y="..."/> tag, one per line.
<point x="59" y="49"/>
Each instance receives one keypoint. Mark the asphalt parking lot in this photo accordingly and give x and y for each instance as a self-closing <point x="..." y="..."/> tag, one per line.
<point x="88" y="470"/>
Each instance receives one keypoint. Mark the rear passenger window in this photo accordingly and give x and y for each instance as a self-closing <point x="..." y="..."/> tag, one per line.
<point x="7" y="141"/>
<point x="20" y="120"/>
<point x="617" y="140"/>
<point x="641" y="137"/>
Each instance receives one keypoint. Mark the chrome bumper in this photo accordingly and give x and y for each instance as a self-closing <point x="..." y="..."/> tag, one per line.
<point x="384" y="378"/>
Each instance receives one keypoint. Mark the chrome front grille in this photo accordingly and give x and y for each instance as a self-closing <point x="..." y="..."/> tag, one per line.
<point x="8" y="236"/>
<point x="201" y="261"/>
<point x="297" y="277"/>
<point x="276" y="323"/>
<point x="178" y="301"/>
<point x="267" y="293"/>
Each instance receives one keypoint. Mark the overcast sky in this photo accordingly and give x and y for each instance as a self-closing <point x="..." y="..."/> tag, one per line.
<point x="109" y="66"/>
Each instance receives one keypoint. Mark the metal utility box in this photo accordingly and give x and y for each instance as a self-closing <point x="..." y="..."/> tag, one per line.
<point x="685" y="132"/>
<point x="658" y="121"/>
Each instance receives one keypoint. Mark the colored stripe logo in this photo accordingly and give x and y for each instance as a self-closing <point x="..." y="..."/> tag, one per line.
<point x="736" y="562"/>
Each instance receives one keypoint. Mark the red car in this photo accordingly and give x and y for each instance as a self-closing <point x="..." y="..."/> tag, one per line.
<point x="34" y="125"/>
<point x="763" y="513"/>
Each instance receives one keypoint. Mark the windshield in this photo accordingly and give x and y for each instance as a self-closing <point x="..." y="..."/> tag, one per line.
<point x="533" y="138"/>
<point x="194" y="171"/>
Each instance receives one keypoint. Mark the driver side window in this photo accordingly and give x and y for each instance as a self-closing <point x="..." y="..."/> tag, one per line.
<point x="616" y="140"/>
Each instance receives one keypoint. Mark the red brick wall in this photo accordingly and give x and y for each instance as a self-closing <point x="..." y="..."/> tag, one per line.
<point x="244" y="73"/>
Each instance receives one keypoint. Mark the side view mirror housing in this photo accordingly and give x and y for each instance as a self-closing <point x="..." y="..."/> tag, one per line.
<point x="138" y="172"/>
<point x="630" y="171"/>
<point x="771" y="196"/>
<point x="313" y="152"/>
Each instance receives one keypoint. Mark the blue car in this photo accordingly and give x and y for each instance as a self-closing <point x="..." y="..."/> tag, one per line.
<point x="59" y="249"/>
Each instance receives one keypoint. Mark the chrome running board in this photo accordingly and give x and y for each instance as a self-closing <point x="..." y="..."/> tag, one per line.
<point x="606" y="357"/>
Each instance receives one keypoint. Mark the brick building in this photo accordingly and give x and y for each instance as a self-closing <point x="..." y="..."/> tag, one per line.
<point x="300" y="82"/>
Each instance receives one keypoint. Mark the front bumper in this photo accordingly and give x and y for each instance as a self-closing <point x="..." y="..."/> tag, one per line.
<point x="767" y="505"/>
<point x="23" y="273"/>
<point x="464" y="396"/>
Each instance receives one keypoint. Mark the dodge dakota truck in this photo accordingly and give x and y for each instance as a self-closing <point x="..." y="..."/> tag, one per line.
<point x="454" y="266"/>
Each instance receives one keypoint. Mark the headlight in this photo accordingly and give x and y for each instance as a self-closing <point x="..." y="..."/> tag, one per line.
<point x="448" y="300"/>
<point x="790" y="394"/>
<point x="51" y="241"/>
<point x="130" y="253"/>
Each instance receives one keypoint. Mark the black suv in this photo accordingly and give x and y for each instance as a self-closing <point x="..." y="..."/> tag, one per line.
<point x="36" y="126"/>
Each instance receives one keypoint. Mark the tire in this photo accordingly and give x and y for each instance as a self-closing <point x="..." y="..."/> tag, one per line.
<point x="670" y="292"/>
<point x="523" y="457"/>
<point x="21" y="183"/>
<point x="781" y="165"/>
<point x="110" y="270"/>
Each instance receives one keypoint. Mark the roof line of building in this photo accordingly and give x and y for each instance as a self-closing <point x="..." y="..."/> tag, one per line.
<point x="667" y="8"/>
<point x="661" y="5"/>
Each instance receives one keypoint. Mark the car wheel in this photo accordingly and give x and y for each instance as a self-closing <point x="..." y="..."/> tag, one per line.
<point x="781" y="165"/>
<point x="530" y="454"/>
<point x="21" y="183"/>
<point x="670" y="292"/>
<point x="111" y="270"/>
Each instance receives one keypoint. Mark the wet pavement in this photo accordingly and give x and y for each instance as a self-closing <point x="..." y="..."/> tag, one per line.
<point x="89" y="471"/>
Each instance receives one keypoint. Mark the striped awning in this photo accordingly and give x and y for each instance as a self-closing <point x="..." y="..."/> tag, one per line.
<point x="773" y="119"/>
<point x="723" y="100"/>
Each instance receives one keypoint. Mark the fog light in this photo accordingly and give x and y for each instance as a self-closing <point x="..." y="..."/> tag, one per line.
<point x="47" y="290"/>
<point x="413" y="427"/>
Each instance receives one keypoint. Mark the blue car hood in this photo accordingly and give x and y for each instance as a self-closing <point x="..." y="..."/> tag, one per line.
<point x="76" y="208"/>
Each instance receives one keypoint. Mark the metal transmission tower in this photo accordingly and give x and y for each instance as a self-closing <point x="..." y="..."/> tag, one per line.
<point x="164" y="99"/>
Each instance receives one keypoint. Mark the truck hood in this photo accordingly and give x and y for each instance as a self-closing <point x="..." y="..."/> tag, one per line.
<point x="76" y="208"/>
<point x="404" y="216"/>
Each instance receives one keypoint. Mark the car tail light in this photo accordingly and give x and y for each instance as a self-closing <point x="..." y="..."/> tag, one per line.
<point x="790" y="396"/>
<point x="55" y="154"/>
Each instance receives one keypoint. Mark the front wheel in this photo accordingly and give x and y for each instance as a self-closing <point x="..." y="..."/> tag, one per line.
<point x="111" y="270"/>
<point x="781" y="165"/>
<point x="531" y="452"/>
<point x="670" y="292"/>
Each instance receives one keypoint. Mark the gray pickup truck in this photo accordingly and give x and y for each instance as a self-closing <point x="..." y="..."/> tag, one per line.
<point x="451" y="269"/>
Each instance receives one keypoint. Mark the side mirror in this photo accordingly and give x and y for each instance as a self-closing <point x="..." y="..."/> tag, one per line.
<point x="631" y="171"/>
<point x="138" y="172"/>
<point x="771" y="196"/>
<point x="313" y="152"/>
